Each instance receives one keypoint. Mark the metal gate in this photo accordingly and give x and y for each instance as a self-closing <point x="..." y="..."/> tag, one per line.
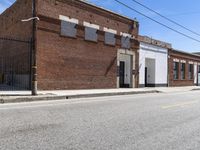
<point x="15" y="64"/>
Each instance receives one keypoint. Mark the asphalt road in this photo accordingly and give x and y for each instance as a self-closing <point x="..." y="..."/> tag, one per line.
<point x="134" y="122"/>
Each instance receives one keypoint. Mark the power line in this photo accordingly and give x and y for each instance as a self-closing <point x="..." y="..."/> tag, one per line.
<point x="183" y="34"/>
<point x="170" y="20"/>
<point x="183" y="14"/>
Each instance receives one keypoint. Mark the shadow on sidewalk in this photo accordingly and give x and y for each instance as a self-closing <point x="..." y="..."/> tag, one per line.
<point x="7" y="90"/>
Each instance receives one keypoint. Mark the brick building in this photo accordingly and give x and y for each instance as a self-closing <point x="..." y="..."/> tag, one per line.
<point x="161" y="65"/>
<point x="79" y="46"/>
<point x="184" y="68"/>
<point x="82" y="46"/>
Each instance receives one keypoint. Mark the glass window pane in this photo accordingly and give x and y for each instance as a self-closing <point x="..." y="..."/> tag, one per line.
<point x="190" y="71"/>
<point x="199" y="70"/>
<point x="182" y="71"/>
<point x="176" y="70"/>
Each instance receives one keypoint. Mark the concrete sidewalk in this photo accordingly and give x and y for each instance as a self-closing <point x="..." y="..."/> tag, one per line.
<point x="25" y="96"/>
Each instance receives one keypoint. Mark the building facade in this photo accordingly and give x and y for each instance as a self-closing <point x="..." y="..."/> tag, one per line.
<point x="79" y="46"/>
<point x="153" y="62"/>
<point x="184" y="68"/>
<point x="82" y="46"/>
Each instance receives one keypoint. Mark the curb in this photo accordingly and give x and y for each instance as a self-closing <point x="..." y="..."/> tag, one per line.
<point x="197" y="89"/>
<point x="49" y="98"/>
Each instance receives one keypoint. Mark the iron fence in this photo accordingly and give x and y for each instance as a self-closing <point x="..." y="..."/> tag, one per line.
<point x="15" y="64"/>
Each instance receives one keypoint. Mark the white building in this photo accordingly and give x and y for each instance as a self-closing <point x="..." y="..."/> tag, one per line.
<point x="153" y="62"/>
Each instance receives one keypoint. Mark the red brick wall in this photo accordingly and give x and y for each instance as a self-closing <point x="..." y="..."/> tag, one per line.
<point x="181" y="56"/>
<point x="68" y="63"/>
<point x="15" y="57"/>
<point x="11" y="27"/>
<point x="62" y="63"/>
<point x="85" y="12"/>
<point x="10" y="20"/>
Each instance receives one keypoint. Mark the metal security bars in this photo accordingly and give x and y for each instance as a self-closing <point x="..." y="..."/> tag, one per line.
<point x="15" y="64"/>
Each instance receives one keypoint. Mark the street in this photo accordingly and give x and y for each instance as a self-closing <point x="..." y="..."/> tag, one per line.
<point x="164" y="121"/>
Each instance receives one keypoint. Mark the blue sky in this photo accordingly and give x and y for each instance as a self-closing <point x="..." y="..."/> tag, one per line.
<point x="4" y="4"/>
<point x="184" y="12"/>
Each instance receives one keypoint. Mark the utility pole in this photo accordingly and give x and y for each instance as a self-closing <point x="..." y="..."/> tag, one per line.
<point x="34" y="60"/>
<point x="34" y="20"/>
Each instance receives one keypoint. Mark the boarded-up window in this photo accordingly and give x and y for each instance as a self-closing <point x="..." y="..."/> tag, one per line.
<point x="68" y="29"/>
<point x="125" y="42"/>
<point x="110" y="38"/>
<point x="90" y="34"/>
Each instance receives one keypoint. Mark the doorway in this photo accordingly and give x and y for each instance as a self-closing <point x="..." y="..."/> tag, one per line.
<point x="150" y="72"/>
<point x="146" y="83"/>
<point x="198" y="76"/>
<point x="125" y="71"/>
<point x="121" y="73"/>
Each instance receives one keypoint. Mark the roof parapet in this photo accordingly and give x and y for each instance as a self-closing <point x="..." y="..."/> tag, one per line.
<point x="152" y="41"/>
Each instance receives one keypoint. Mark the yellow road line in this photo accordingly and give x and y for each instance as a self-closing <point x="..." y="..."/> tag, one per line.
<point x="180" y="104"/>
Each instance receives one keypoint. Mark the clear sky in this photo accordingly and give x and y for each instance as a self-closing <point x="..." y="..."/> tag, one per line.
<point x="185" y="12"/>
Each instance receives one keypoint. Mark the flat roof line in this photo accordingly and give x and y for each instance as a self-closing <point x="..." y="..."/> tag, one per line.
<point x="104" y="9"/>
<point x="192" y="54"/>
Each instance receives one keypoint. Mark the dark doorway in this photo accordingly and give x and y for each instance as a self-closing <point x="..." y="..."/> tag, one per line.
<point x="146" y="84"/>
<point x="121" y="73"/>
<point x="198" y="77"/>
<point x="150" y="71"/>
